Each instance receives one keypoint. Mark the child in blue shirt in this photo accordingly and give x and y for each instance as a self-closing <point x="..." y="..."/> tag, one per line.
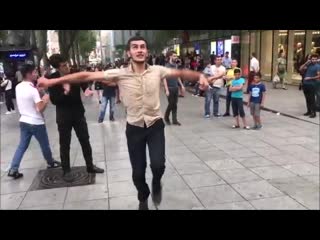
<point x="237" y="99"/>
<point x="257" y="95"/>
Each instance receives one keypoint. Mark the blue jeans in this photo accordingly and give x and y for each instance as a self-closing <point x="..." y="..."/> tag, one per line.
<point x="103" y="107"/>
<point x="26" y="132"/>
<point x="212" y="93"/>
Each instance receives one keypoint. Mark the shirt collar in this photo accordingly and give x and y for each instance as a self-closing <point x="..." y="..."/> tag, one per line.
<point x="130" y="67"/>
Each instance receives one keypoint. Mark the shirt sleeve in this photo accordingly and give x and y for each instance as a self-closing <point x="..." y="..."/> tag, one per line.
<point x="164" y="71"/>
<point x="36" y="96"/>
<point x="263" y="88"/>
<point x="112" y="74"/>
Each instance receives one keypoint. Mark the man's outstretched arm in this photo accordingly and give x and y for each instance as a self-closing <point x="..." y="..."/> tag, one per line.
<point x="73" y="78"/>
<point x="190" y="76"/>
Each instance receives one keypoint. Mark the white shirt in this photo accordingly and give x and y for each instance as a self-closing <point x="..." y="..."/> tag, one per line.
<point x="8" y="83"/>
<point x="27" y="97"/>
<point x="216" y="71"/>
<point x="254" y="65"/>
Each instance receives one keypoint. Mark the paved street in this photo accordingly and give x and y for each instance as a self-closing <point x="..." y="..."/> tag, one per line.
<point x="209" y="164"/>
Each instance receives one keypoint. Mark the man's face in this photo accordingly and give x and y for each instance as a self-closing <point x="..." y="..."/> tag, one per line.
<point x="234" y="63"/>
<point x="64" y="68"/>
<point x="227" y="55"/>
<point x="138" y="51"/>
<point x="314" y="60"/>
<point x="237" y="75"/>
<point x="256" y="79"/>
<point x="32" y="76"/>
<point x="218" y="61"/>
<point x="173" y="58"/>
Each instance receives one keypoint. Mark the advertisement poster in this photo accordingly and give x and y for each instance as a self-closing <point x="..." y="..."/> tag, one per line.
<point x="213" y="47"/>
<point x="220" y="48"/>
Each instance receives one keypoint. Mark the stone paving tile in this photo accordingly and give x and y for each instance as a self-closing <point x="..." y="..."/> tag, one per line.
<point x="11" y="201"/>
<point x="256" y="190"/>
<point x="277" y="203"/>
<point x="210" y="196"/>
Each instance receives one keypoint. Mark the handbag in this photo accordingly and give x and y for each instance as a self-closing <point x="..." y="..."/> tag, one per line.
<point x="276" y="79"/>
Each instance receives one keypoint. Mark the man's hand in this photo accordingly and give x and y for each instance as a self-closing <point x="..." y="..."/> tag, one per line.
<point x="46" y="98"/>
<point x="203" y="81"/>
<point x="307" y="78"/>
<point x="66" y="88"/>
<point x="183" y="90"/>
<point x="43" y="83"/>
<point x="167" y="93"/>
<point x="88" y="92"/>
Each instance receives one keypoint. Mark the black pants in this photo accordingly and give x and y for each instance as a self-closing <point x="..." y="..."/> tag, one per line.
<point x="228" y="100"/>
<point x="9" y="102"/>
<point x="309" y="93"/>
<point x="173" y="104"/>
<point x="237" y="107"/>
<point x="137" y="139"/>
<point x="81" y="128"/>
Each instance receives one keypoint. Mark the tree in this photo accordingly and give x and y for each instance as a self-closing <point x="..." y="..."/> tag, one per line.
<point x="86" y="41"/>
<point x="3" y="36"/>
<point x="161" y="38"/>
<point x="39" y="40"/>
<point x="66" y="40"/>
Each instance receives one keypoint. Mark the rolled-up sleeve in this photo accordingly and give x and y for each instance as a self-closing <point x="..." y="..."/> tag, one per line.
<point x="112" y="74"/>
<point x="164" y="71"/>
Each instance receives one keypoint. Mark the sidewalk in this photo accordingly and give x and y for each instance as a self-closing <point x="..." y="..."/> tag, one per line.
<point x="289" y="102"/>
<point x="209" y="165"/>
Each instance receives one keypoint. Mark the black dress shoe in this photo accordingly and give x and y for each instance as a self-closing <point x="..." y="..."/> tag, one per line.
<point x="226" y="114"/>
<point x="313" y="115"/>
<point x="68" y="177"/>
<point x="143" y="205"/>
<point x="95" y="169"/>
<point x="156" y="193"/>
<point x="176" y="123"/>
<point x="167" y="122"/>
<point x="15" y="174"/>
<point x="307" y="114"/>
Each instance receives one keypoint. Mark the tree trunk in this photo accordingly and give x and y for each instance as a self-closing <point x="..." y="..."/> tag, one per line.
<point x="77" y="52"/>
<point x="66" y="40"/>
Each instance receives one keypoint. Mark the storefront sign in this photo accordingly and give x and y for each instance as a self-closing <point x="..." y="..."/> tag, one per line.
<point x="17" y="55"/>
<point x="235" y="39"/>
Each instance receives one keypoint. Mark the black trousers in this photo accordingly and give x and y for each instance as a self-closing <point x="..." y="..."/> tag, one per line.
<point x="9" y="102"/>
<point x="81" y="128"/>
<point x="138" y="138"/>
<point x="228" y="100"/>
<point x="173" y="104"/>
<point x="310" y="95"/>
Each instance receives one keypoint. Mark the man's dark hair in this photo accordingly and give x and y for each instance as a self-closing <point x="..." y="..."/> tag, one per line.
<point x="135" y="38"/>
<point x="27" y="68"/>
<point x="258" y="75"/>
<point x="227" y="52"/>
<point x="236" y="71"/>
<point x="171" y="53"/>
<point x="314" y="55"/>
<point x="56" y="59"/>
<point x="254" y="54"/>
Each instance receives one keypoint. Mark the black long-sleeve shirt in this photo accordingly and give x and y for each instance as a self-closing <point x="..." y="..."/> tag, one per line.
<point x="68" y="106"/>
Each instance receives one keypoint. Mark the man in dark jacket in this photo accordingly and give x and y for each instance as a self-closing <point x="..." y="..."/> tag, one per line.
<point x="70" y="114"/>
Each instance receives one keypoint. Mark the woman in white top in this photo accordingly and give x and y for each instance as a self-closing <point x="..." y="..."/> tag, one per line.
<point x="7" y="85"/>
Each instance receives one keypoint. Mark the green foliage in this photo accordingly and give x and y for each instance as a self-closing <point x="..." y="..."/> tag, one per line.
<point x="87" y="41"/>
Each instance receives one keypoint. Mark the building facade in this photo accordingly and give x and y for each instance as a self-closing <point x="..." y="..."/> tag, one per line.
<point x="268" y="45"/>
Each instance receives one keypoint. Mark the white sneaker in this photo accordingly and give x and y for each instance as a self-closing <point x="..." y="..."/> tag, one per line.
<point x="8" y="112"/>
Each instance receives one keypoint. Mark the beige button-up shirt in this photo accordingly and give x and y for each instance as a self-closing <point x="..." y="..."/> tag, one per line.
<point x="140" y="93"/>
